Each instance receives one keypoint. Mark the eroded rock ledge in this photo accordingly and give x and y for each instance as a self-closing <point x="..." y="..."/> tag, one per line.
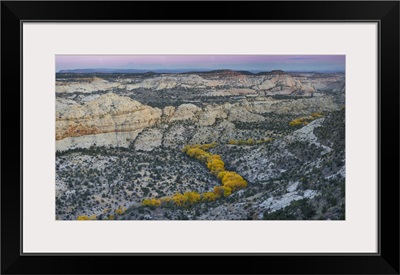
<point x="117" y="121"/>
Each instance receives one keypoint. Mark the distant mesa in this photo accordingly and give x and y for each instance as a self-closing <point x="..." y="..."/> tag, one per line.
<point x="226" y="72"/>
<point x="277" y="72"/>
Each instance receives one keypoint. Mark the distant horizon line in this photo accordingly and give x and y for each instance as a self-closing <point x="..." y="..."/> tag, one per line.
<point x="188" y="70"/>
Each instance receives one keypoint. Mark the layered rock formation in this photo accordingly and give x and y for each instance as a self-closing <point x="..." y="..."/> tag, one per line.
<point x="221" y="83"/>
<point x="112" y="139"/>
<point x="161" y="82"/>
<point x="112" y="120"/>
<point x="185" y="112"/>
<point x="86" y="85"/>
<point x="108" y="113"/>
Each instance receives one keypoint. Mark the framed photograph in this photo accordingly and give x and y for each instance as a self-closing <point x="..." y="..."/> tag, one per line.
<point x="248" y="130"/>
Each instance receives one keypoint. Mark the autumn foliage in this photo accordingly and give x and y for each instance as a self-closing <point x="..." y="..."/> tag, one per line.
<point x="86" y="218"/>
<point x="208" y="196"/>
<point x="215" y="164"/>
<point x="186" y="199"/>
<point x="220" y="191"/>
<point x="120" y="210"/>
<point x="231" y="181"/>
<point x="151" y="202"/>
<point x="193" y="197"/>
<point x="305" y="120"/>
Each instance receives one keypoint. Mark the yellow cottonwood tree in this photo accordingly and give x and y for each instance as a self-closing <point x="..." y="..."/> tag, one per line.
<point x="83" y="218"/>
<point x="220" y="191"/>
<point x="215" y="164"/>
<point x="151" y="202"/>
<point x="120" y="210"/>
<point x="192" y="197"/>
<point x="180" y="199"/>
<point x="86" y="218"/>
<point x="209" y="196"/>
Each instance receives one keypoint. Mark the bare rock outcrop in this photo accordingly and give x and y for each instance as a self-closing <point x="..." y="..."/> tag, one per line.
<point x="241" y="112"/>
<point x="185" y="112"/>
<point x="148" y="140"/>
<point x="168" y="111"/>
<point x="211" y="114"/>
<point x="112" y="139"/>
<point x="161" y="82"/>
<point x="222" y="83"/>
<point x="113" y="120"/>
<point x="86" y="85"/>
<point x="108" y="113"/>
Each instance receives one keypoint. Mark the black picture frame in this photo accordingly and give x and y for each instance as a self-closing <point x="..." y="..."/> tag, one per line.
<point x="386" y="13"/>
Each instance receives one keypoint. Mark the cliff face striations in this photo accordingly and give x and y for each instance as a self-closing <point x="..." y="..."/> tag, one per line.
<point x="116" y="121"/>
<point x="108" y="113"/>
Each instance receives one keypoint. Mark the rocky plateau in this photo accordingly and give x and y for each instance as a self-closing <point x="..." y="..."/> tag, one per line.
<point x="119" y="139"/>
